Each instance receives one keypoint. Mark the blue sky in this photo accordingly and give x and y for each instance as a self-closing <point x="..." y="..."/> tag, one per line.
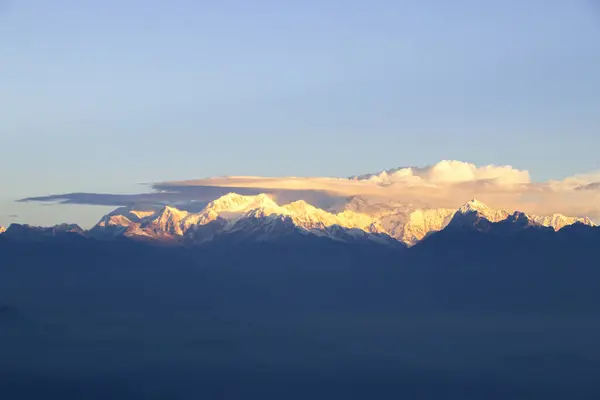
<point x="98" y="96"/>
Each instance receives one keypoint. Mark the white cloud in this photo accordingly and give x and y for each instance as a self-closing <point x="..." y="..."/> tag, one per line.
<point x="451" y="172"/>
<point x="576" y="181"/>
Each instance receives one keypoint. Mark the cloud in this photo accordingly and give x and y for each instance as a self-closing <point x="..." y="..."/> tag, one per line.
<point x="589" y="186"/>
<point x="576" y="181"/>
<point x="451" y="172"/>
<point x="445" y="184"/>
<point x="185" y="197"/>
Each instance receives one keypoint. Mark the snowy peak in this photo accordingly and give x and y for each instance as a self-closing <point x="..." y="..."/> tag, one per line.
<point x="477" y="215"/>
<point x="555" y="221"/>
<point x="301" y="206"/>
<point x="309" y="217"/>
<point x="124" y="221"/>
<point x="233" y="202"/>
<point x="125" y="216"/>
<point x="406" y="222"/>
<point x="233" y="213"/>
<point x="475" y="206"/>
<point x="379" y="210"/>
<point x="168" y="221"/>
<point x="558" y="221"/>
<point x="518" y="221"/>
<point x="231" y="207"/>
<point x="114" y="220"/>
<point x="423" y="222"/>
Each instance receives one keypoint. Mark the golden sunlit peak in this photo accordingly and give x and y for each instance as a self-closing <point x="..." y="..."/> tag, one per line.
<point x="473" y="205"/>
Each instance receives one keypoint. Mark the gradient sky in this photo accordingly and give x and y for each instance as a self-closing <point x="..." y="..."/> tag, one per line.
<point x="101" y="95"/>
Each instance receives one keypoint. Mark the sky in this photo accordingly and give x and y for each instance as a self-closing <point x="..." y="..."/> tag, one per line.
<point x="101" y="97"/>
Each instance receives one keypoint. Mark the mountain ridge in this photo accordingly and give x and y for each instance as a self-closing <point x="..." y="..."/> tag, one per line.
<point x="260" y="218"/>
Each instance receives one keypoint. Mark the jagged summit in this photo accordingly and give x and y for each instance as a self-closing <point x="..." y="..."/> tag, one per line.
<point x="519" y="221"/>
<point x="559" y="221"/>
<point x="473" y="205"/>
<point x="483" y="211"/>
<point x="233" y="202"/>
<point x="171" y="210"/>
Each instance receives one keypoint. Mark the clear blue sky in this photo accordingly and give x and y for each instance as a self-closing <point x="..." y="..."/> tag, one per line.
<point x="100" y="95"/>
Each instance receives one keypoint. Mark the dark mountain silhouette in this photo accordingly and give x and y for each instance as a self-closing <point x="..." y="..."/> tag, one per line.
<point x="508" y="312"/>
<point x="38" y="233"/>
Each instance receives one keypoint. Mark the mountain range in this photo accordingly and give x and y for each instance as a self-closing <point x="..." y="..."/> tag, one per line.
<point x="501" y="304"/>
<point x="258" y="218"/>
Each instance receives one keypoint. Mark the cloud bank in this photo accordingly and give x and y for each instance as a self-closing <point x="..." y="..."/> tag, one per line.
<point x="450" y="172"/>
<point x="446" y="184"/>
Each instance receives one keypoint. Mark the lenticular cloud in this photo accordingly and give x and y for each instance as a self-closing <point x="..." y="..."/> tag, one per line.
<point x="445" y="184"/>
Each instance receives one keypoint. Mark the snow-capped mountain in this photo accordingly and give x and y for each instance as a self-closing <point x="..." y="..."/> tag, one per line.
<point x="259" y="217"/>
<point x="237" y="214"/>
<point x="405" y="222"/>
<point x="519" y="221"/>
<point x="423" y="222"/>
<point x="482" y="211"/>
<point x="477" y="215"/>
<point x="559" y="221"/>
